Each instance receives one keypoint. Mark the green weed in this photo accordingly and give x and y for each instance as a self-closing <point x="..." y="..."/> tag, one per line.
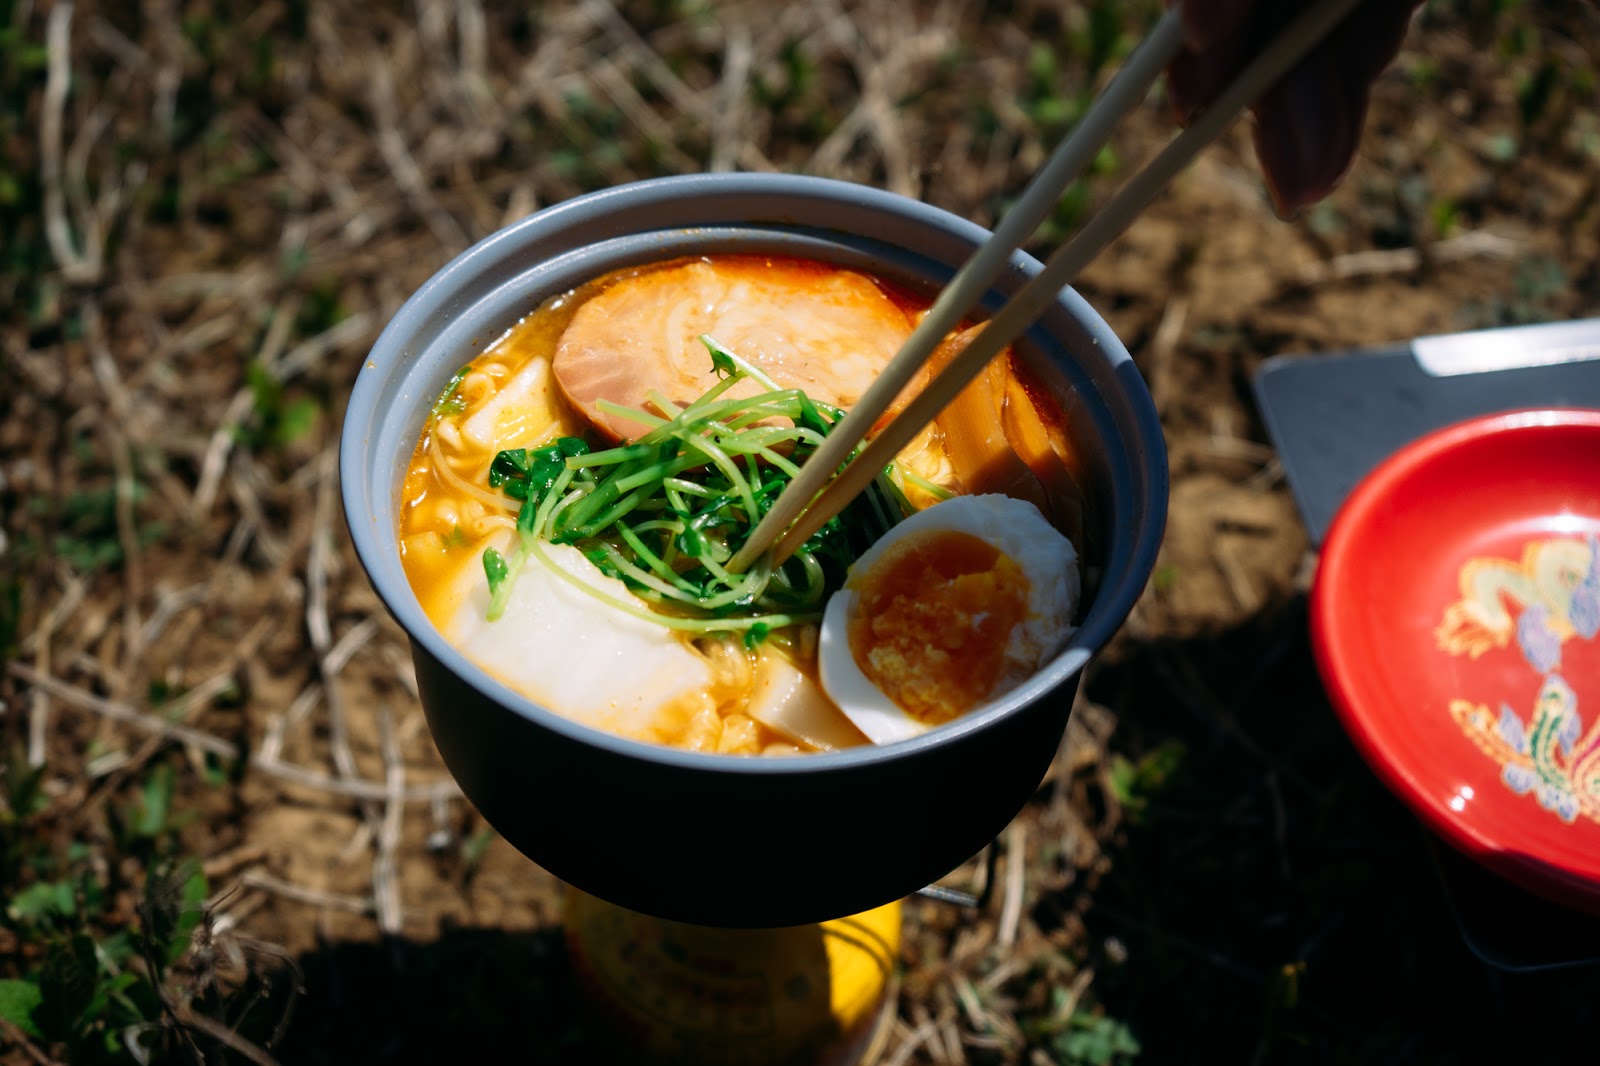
<point x="278" y="417"/>
<point x="789" y="83"/>
<point x="1135" y="782"/>
<point x="106" y="971"/>
<point x="1444" y="213"/>
<point x="1079" y="1037"/>
<point x="96" y="992"/>
<point x="1536" y="90"/>
<point x="473" y="850"/>
<point x="1094" y="1040"/>
<point x="1062" y="78"/>
<point x="84" y="528"/>
<point x="26" y="264"/>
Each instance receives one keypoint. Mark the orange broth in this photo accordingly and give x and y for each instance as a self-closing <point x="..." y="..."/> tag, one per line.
<point x="449" y="512"/>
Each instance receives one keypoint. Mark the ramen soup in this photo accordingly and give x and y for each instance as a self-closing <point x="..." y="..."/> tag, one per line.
<point x="581" y="485"/>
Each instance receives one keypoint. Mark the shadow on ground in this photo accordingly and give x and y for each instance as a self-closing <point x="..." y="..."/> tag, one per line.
<point x="1272" y="902"/>
<point x="1269" y="902"/>
<point x="471" y="996"/>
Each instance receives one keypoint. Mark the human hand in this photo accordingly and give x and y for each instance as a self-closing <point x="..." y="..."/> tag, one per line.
<point x="1309" y="124"/>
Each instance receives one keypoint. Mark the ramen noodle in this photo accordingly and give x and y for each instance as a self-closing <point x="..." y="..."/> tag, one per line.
<point x="580" y="485"/>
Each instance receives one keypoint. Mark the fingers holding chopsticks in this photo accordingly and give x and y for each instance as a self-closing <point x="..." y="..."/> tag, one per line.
<point x="1309" y="124"/>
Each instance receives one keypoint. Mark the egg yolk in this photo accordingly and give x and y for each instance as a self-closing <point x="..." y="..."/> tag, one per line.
<point x="933" y="620"/>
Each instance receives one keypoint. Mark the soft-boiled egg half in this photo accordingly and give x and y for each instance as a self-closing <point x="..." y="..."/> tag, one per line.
<point x="951" y="609"/>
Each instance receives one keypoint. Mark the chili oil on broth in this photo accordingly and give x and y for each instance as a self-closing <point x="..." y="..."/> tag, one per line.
<point x="508" y="397"/>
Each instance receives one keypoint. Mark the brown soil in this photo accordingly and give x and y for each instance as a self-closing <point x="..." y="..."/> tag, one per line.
<point x="269" y="185"/>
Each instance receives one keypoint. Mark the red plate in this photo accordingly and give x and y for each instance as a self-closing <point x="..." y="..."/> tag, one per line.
<point x="1454" y="618"/>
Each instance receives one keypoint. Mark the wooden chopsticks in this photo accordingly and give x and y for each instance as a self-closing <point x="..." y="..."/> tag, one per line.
<point x="791" y="522"/>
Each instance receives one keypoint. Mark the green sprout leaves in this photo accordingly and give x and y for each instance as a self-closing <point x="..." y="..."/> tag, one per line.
<point x="666" y="512"/>
<point x="448" y="402"/>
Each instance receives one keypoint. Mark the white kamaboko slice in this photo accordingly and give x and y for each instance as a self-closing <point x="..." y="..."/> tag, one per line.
<point x="788" y="702"/>
<point x="519" y="413"/>
<point x="568" y="651"/>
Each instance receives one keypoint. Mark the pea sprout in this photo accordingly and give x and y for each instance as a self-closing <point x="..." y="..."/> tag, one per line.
<point x="665" y="512"/>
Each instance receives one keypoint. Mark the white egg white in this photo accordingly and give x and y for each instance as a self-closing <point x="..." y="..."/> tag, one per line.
<point x="1018" y="530"/>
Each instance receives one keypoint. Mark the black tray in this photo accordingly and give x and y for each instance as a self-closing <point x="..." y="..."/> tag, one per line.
<point x="1335" y="417"/>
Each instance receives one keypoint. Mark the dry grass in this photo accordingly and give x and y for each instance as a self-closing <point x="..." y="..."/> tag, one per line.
<point x="215" y="211"/>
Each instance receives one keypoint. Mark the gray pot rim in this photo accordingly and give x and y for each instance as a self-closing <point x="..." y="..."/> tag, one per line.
<point x="394" y="350"/>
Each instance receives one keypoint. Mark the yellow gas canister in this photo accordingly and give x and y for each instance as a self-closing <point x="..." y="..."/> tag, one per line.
<point x="663" y="992"/>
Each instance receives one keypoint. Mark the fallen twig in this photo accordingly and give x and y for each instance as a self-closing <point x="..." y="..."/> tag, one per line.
<point x="304" y="894"/>
<point x="685" y="100"/>
<point x="215" y="462"/>
<point x="403" y="165"/>
<point x="39" y="709"/>
<point x="1163" y="346"/>
<point x="170" y="604"/>
<point x="353" y="640"/>
<point x="732" y="98"/>
<point x="121" y="712"/>
<point x="1016" y="874"/>
<point x="229" y="861"/>
<point x="217" y="1031"/>
<point x="82" y="266"/>
<point x="1405" y="260"/>
<point x="318" y="627"/>
<point x="923" y="1033"/>
<point x="360" y="788"/>
<point x="386" y="864"/>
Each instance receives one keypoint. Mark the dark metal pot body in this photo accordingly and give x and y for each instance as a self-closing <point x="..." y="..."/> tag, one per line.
<point x="723" y="840"/>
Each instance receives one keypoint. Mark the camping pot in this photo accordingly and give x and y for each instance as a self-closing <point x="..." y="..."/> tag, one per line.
<point x="723" y="840"/>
